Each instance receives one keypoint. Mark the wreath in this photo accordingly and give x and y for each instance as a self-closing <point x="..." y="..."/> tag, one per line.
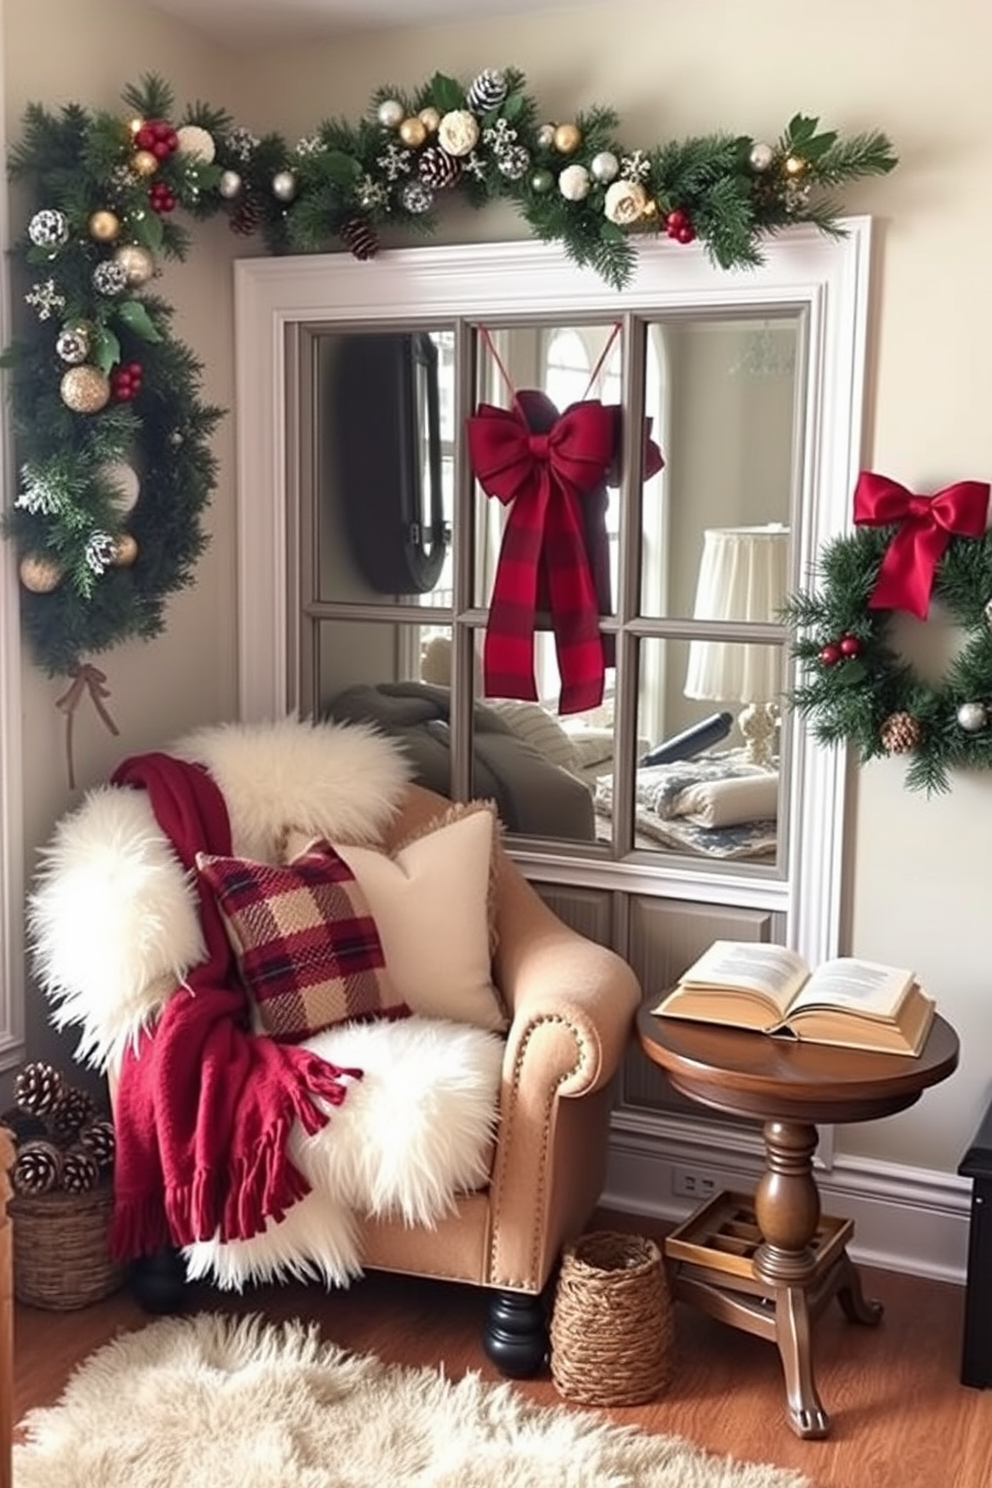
<point x="906" y="553"/>
<point x="112" y="437"/>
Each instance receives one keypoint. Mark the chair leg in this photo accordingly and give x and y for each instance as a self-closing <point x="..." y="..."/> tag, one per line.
<point x="158" y="1281"/>
<point x="515" y="1337"/>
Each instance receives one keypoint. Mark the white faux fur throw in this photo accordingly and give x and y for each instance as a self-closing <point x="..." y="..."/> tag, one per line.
<point x="114" y="928"/>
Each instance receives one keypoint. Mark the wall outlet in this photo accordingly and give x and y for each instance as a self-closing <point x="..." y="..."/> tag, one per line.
<point x="690" y="1183"/>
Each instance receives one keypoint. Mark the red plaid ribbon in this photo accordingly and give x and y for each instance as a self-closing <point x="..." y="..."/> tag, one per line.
<point x="544" y="476"/>
<point x="926" y="525"/>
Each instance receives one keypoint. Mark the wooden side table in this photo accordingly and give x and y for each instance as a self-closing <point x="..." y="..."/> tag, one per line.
<point x="770" y="1263"/>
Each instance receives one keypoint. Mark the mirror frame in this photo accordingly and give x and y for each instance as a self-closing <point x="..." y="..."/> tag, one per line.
<point x="823" y="277"/>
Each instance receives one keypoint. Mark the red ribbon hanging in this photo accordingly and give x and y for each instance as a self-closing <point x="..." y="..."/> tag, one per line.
<point x="543" y="476"/>
<point x="926" y="525"/>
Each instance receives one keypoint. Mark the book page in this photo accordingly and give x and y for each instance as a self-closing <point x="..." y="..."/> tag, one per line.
<point x="773" y="971"/>
<point x="865" y="987"/>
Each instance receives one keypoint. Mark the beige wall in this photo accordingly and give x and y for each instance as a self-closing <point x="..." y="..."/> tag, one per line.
<point x="920" y="872"/>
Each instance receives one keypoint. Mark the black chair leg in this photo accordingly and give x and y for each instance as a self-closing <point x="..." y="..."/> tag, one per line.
<point x="516" y="1333"/>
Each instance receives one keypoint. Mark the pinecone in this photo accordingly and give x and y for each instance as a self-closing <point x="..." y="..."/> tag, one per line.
<point x="75" y="1110"/>
<point x="358" y="235"/>
<point x="437" y="169"/>
<point x="100" y="1142"/>
<point x="37" y="1167"/>
<point x="487" y="91"/>
<point x="247" y="215"/>
<point x="80" y="1171"/>
<point x="38" y="1088"/>
<point x="900" y="733"/>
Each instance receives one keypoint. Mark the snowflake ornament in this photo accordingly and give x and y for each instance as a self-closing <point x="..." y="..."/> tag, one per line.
<point x="395" y="162"/>
<point x="635" y="167"/>
<point x="45" y="299"/>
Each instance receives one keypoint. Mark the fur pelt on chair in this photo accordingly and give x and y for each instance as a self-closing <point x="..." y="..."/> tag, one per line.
<point x="114" y="929"/>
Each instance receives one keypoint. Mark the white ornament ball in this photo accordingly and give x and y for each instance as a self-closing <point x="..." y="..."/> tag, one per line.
<point x="138" y="263"/>
<point x="390" y="113"/>
<point x="761" y="156"/>
<point x="284" y="185"/>
<point x="973" y="717"/>
<point x="197" y="142"/>
<point x="124" y="481"/>
<point x="574" y="183"/>
<point x="229" y="184"/>
<point x="605" y="166"/>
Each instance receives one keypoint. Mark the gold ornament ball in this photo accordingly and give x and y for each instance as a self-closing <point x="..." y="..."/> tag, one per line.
<point x="567" y="138"/>
<point x="430" y="118"/>
<point x="137" y="262"/>
<point x="650" y="209"/>
<point x="794" y="166"/>
<point x="125" y="551"/>
<point x="39" y="575"/>
<point x="104" y="226"/>
<point x="144" y="163"/>
<point x="413" y="132"/>
<point x="85" y="389"/>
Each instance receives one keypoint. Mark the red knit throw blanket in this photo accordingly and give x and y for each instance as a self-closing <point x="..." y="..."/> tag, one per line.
<point x="204" y="1108"/>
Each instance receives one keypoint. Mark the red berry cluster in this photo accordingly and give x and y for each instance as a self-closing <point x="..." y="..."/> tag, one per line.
<point x="161" y="197"/>
<point x="159" y="138"/>
<point x="125" y="381"/>
<point x="677" y="225"/>
<point x="843" y="650"/>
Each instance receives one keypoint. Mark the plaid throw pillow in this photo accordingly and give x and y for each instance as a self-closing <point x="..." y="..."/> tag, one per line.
<point x="305" y="941"/>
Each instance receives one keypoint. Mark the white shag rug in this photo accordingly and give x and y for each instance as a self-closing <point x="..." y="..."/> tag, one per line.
<point x="227" y="1403"/>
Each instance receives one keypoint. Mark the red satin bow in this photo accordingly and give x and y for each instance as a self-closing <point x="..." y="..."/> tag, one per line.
<point x="543" y="476"/>
<point x="926" y="526"/>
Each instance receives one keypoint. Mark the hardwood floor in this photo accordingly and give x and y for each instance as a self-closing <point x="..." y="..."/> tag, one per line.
<point x="899" y="1416"/>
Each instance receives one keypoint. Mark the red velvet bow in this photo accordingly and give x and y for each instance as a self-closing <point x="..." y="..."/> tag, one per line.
<point x="926" y="526"/>
<point x="543" y="476"/>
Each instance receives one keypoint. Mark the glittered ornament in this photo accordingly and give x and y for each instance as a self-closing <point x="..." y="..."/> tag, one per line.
<point x="125" y="551"/>
<point x="761" y="157"/>
<point x="390" y="113"/>
<point x="37" y="1167"/>
<point x="123" y="481"/>
<point x="110" y="278"/>
<point x="99" y="1140"/>
<point x="900" y="733"/>
<point x="359" y="237"/>
<point x="38" y="1088"/>
<point x="104" y="226"/>
<point x="49" y="229"/>
<point x="416" y="197"/>
<point x="574" y="183"/>
<point x="973" y="717"/>
<point x="513" y="162"/>
<point x="80" y="1171"/>
<point x="75" y="1109"/>
<point x="144" y="163"/>
<point x="604" y="167"/>
<point x="85" y="389"/>
<point x="487" y="91"/>
<point x="437" y="169"/>
<point x="38" y="574"/>
<point x="196" y="142"/>
<point x="284" y="186"/>
<point x="413" y="132"/>
<point x="137" y="262"/>
<point x="72" y="344"/>
<point x="567" y="138"/>
<point x="229" y="184"/>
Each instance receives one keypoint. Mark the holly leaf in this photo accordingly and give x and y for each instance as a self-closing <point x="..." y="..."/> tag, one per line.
<point x="340" y="167"/>
<point x="105" y="348"/>
<point x="512" y="106"/>
<point x="447" y="93"/>
<point x="136" y="318"/>
<point x="148" y="229"/>
<point x="851" y="673"/>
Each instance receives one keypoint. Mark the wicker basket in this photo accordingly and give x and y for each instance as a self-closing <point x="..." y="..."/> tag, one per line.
<point x="611" y="1325"/>
<point x="60" y="1249"/>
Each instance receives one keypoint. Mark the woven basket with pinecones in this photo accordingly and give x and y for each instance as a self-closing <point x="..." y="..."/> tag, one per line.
<point x="63" y="1193"/>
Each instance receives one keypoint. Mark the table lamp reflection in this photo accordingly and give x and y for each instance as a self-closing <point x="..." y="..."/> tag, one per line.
<point x="742" y="576"/>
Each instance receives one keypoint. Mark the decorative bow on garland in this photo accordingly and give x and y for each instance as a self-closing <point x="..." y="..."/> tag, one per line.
<point x="926" y="526"/>
<point x="548" y="477"/>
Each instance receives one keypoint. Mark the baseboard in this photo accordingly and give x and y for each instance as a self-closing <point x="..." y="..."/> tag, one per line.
<point x="906" y="1219"/>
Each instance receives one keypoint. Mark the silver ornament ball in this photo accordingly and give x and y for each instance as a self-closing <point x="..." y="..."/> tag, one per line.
<point x="605" y="167"/>
<point x="284" y="185"/>
<point x="973" y="717"/>
<point x="229" y="184"/>
<point x="761" y="156"/>
<point x="390" y="113"/>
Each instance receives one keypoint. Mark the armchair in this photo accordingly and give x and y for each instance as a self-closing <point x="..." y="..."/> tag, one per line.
<point x="569" y="1005"/>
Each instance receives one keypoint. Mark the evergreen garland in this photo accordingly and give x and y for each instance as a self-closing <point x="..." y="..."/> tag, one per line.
<point x="855" y="686"/>
<point x="102" y="390"/>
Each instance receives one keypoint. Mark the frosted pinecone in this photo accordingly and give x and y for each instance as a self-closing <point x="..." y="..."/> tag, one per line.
<point x="900" y="733"/>
<point x="359" y="236"/>
<point x="437" y="169"/>
<point x="80" y="1171"/>
<point x="100" y="1141"/>
<point x="38" y="1088"/>
<point x="75" y="1110"/>
<point x="487" y="91"/>
<point x="37" y="1167"/>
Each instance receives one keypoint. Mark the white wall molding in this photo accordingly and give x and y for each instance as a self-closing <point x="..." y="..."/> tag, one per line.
<point x="906" y="1219"/>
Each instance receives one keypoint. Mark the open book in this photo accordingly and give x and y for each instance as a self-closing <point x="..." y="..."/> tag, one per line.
<point x="856" y="1004"/>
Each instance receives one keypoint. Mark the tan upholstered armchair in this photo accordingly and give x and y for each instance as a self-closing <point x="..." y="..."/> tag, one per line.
<point x="569" y="1004"/>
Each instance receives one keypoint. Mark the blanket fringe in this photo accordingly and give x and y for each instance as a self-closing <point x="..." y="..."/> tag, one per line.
<point x="137" y="1227"/>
